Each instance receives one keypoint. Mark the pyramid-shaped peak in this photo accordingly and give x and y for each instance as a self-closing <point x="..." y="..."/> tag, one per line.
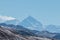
<point x="31" y="23"/>
<point x="30" y="17"/>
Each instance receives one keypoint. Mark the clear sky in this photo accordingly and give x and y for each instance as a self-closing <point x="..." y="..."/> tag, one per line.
<point x="45" y="11"/>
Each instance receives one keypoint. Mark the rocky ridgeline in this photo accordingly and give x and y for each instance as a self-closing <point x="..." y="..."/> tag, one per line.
<point x="6" y="34"/>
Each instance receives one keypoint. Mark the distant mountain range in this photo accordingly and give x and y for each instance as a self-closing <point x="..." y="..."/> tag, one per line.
<point x="32" y="24"/>
<point x="31" y="27"/>
<point x="27" y="32"/>
<point x="53" y="28"/>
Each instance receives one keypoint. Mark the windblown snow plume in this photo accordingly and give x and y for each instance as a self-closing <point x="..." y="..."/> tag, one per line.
<point x="6" y="18"/>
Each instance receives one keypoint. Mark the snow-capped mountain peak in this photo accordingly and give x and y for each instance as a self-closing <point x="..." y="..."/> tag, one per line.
<point x="31" y="23"/>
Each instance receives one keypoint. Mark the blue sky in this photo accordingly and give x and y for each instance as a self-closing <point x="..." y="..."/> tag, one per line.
<point x="45" y="11"/>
